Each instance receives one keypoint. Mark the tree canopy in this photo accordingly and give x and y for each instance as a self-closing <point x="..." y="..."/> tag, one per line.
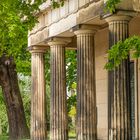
<point x="17" y="17"/>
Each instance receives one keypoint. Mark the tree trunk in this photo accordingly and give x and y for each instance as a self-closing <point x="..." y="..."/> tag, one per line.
<point x="9" y="82"/>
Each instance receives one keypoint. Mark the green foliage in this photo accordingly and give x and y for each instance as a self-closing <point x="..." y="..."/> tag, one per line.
<point x="3" y="115"/>
<point x="25" y="88"/>
<point x="48" y="107"/>
<point x="26" y="97"/>
<point x="121" y="50"/>
<point x="47" y="67"/>
<point x="71" y="106"/>
<point x="71" y="67"/>
<point x="72" y="112"/>
<point x="16" y="18"/>
<point x="71" y="75"/>
<point x="71" y="102"/>
<point x="57" y="4"/>
<point x="72" y="134"/>
<point x="111" y="5"/>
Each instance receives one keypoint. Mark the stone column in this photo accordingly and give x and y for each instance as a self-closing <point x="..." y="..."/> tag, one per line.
<point x="86" y="100"/>
<point x="118" y="84"/>
<point x="58" y="112"/>
<point x="38" y="131"/>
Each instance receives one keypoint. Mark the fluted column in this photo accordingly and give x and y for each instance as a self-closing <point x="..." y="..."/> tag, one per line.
<point x="38" y="131"/>
<point x="58" y="116"/>
<point x="118" y="84"/>
<point x="86" y="100"/>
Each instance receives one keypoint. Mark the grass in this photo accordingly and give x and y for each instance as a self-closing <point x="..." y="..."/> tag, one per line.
<point x="71" y="135"/>
<point x="4" y="137"/>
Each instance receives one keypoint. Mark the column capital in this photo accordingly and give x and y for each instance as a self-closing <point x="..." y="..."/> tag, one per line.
<point x="37" y="49"/>
<point x="58" y="41"/>
<point x="116" y="17"/>
<point x="85" y="29"/>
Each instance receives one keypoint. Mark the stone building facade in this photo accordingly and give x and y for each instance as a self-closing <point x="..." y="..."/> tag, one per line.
<point x="108" y="103"/>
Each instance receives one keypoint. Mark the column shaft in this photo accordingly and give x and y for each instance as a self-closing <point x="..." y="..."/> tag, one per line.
<point x="59" y="130"/>
<point x="38" y="97"/>
<point x="86" y="100"/>
<point x="118" y="85"/>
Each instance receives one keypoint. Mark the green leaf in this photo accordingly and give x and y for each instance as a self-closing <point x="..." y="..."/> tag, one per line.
<point x="120" y="51"/>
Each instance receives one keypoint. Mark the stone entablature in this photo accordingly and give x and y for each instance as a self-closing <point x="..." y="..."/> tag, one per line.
<point x="72" y="13"/>
<point x="59" y="21"/>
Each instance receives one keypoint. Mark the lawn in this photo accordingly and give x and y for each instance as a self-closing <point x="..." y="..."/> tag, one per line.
<point x="4" y="137"/>
<point x="71" y="136"/>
